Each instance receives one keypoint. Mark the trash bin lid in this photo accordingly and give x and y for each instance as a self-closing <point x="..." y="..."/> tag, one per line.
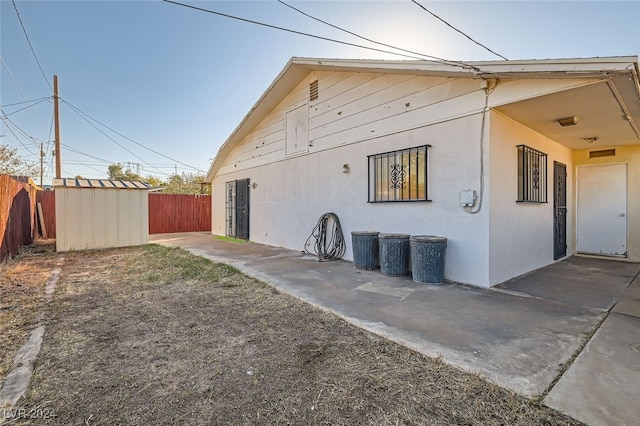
<point x="364" y="232"/>
<point x="428" y="239"/>
<point x="396" y="236"/>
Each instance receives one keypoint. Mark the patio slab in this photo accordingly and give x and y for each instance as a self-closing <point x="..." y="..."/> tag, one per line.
<point x="602" y="387"/>
<point x="514" y="339"/>
<point x="584" y="281"/>
<point x="630" y="302"/>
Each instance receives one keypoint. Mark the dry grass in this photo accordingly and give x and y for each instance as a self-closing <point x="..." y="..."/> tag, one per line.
<point x="155" y="335"/>
<point x="22" y="283"/>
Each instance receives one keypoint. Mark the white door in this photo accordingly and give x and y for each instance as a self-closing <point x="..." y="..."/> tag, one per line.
<point x="602" y="210"/>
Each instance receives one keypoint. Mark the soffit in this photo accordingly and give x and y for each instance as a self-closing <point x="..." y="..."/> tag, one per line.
<point x="607" y="110"/>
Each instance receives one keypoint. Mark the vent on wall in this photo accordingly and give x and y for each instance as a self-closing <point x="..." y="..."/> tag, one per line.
<point x="602" y="153"/>
<point x="313" y="90"/>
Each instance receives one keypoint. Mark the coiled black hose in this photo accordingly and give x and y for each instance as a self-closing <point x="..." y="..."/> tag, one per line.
<point x="329" y="241"/>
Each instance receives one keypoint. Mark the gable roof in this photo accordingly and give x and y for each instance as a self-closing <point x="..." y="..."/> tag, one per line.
<point x="624" y="69"/>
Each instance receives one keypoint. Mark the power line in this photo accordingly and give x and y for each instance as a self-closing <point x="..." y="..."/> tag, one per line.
<point x="368" y="39"/>
<point x="6" y="67"/>
<point x="18" y="139"/>
<point x="454" y="28"/>
<point x="24" y="102"/>
<point x="8" y="121"/>
<point x="77" y="151"/>
<point x="49" y="140"/>
<point x="298" y="32"/>
<point x="109" y="137"/>
<point x="28" y="106"/>
<point x="131" y="140"/>
<point x="30" y="45"/>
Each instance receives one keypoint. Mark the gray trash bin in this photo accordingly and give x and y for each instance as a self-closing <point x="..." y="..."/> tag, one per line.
<point x="365" y="249"/>
<point x="394" y="254"/>
<point x="427" y="258"/>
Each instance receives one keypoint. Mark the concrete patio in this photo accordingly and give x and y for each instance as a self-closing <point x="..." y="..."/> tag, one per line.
<point x="520" y="334"/>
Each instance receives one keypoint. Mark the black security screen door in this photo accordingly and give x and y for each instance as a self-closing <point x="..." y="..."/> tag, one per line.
<point x="242" y="209"/>
<point x="237" y="209"/>
<point x="559" y="210"/>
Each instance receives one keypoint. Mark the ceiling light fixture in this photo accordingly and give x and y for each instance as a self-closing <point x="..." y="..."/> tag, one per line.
<point x="591" y="139"/>
<point x="569" y="121"/>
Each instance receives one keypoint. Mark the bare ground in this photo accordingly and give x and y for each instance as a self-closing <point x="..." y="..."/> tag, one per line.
<point x="22" y="283"/>
<point x="155" y="335"/>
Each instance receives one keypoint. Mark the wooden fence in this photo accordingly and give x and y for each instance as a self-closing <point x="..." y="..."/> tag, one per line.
<point x="17" y="214"/>
<point x="47" y="200"/>
<point x="179" y="213"/>
<point x="167" y="213"/>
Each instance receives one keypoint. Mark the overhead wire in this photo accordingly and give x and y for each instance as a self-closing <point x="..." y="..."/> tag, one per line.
<point x="77" y="151"/>
<point x="24" y="102"/>
<point x="305" y="34"/>
<point x="49" y="151"/>
<point x="129" y="139"/>
<point x="6" y="67"/>
<point x="30" y="45"/>
<point x="28" y="106"/>
<point x="112" y="139"/>
<point x="370" y="40"/>
<point x="8" y="121"/>
<point x="17" y="138"/>
<point x="459" y="31"/>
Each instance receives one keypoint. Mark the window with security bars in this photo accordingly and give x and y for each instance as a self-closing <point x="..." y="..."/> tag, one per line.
<point x="398" y="175"/>
<point x="532" y="175"/>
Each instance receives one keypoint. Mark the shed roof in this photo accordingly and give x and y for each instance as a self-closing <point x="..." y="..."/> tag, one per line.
<point x="99" y="183"/>
<point x="622" y="70"/>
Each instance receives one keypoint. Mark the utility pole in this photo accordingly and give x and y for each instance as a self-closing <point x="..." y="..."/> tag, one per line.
<point x="41" y="164"/>
<point x="57" y="124"/>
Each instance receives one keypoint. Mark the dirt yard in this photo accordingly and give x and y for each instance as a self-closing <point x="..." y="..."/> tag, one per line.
<point x="22" y="283"/>
<point x="154" y="335"/>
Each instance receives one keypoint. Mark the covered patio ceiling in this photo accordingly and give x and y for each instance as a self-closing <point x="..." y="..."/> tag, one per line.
<point x="607" y="111"/>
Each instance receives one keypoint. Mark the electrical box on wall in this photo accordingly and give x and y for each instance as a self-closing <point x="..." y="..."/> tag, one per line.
<point x="467" y="198"/>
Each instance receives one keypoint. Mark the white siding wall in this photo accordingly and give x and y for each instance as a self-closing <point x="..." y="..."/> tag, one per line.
<point x="521" y="234"/>
<point x="359" y="114"/>
<point x="91" y="218"/>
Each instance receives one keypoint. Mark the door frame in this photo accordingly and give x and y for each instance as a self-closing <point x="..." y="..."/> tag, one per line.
<point x="236" y="209"/>
<point x="559" y="212"/>
<point x="577" y="210"/>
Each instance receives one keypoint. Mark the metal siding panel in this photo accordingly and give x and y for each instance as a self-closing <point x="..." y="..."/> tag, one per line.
<point x="61" y="226"/>
<point x="86" y="233"/>
<point x="73" y="217"/>
<point x="141" y="231"/>
<point x="112" y="216"/>
<point x="136" y="218"/>
<point x="101" y="239"/>
<point x="123" y="218"/>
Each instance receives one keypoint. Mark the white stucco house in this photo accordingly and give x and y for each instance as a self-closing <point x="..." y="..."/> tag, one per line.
<point x="517" y="163"/>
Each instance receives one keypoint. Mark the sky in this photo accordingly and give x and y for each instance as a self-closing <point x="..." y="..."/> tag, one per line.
<point x="159" y="87"/>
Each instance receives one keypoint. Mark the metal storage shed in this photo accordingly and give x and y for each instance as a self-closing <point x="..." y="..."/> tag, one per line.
<point x="98" y="213"/>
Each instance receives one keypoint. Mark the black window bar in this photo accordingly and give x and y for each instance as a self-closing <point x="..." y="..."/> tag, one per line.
<point x="532" y="175"/>
<point x="398" y="175"/>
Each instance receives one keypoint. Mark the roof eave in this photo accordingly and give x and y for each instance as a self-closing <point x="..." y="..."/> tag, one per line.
<point x="297" y="68"/>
